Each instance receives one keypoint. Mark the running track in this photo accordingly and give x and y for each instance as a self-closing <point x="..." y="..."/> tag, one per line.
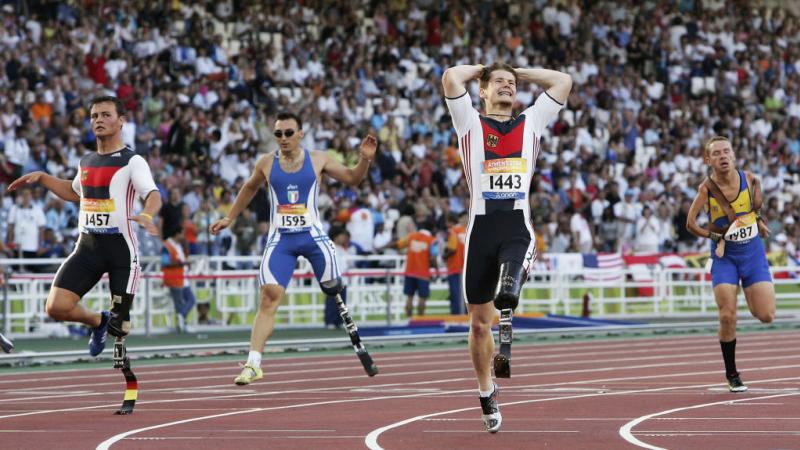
<point x="661" y="392"/>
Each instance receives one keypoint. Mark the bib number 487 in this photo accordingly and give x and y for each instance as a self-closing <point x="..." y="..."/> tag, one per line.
<point x="97" y="220"/>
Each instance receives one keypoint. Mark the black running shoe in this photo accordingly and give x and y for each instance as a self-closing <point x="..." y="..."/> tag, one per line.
<point x="491" y="412"/>
<point x="735" y="383"/>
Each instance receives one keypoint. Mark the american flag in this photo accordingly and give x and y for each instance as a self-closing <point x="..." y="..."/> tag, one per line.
<point x="610" y="263"/>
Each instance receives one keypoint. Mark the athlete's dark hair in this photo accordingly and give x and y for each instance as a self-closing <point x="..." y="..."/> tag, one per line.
<point x="497" y="65"/>
<point x="286" y="115"/>
<point x="109" y="99"/>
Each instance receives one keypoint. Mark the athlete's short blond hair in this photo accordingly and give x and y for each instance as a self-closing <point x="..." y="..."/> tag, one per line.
<point x="707" y="147"/>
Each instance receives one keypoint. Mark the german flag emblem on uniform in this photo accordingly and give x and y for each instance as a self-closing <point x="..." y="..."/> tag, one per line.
<point x="492" y="140"/>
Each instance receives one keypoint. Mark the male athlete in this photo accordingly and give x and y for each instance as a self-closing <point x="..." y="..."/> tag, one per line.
<point x="737" y="252"/>
<point x="292" y="174"/>
<point x="106" y="186"/>
<point x="499" y="154"/>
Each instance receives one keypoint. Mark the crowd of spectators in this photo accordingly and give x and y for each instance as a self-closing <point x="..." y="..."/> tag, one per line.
<point x="202" y="80"/>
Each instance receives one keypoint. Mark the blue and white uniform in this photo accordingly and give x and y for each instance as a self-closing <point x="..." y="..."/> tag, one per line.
<point x="295" y="228"/>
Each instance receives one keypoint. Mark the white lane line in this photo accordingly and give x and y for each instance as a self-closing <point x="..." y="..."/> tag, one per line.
<point x="625" y="430"/>
<point x="755" y="339"/>
<point x="451" y="369"/>
<point x="504" y="431"/>
<point x="371" y="440"/>
<point x="427" y="383"/>
<point x="105" y="445"/>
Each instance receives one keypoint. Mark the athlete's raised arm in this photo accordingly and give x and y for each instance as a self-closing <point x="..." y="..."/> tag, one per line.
<point x="454" y="79"/>
<point x="691" y="220"/>
<point x="58" y="186"/>
<point x="245" y="195"/>
<point x="556" y="84"/>
<point x="353" y="175"/>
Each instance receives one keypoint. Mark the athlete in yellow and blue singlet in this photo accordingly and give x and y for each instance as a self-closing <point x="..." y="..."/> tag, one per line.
<point x="744" y="259"/>
<point x="740" y="246"/>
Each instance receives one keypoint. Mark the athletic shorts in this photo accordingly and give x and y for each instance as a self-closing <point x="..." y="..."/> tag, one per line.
<point x="280" y="257"/>
<point x="419" y="286"/>
<point x="746" y="262"/>
<point x="493" y="239"/>
<point x="95" y="255"/>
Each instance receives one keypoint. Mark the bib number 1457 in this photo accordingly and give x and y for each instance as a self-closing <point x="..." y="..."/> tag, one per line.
<point x="97" y="220"/>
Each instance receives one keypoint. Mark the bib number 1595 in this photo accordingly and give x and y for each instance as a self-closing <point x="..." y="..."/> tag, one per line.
<point x="293" y="221"/>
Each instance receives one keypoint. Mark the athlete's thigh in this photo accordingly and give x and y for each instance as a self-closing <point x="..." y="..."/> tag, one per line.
<point x="725" y="296"/>
<point x="79" y="272"/>
<point x="760" y="298"/>
<point x="754" y="268"/>
<point x="122" y="265"/>
<point x="277" y="264"/>
<point x="481" y="270"/>
<point x="724" y="271"/>
<point x="321" y="253"/>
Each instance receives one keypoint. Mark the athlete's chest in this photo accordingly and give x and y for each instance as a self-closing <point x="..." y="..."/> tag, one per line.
<point x="502" y="139"/>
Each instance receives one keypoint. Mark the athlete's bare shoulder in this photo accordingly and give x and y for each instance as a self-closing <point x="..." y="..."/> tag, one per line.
<point x="319" y="159"/>
<point x="264" y="163"/>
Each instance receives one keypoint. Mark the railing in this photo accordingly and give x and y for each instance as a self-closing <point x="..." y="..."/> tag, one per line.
<point x="374" y="294"/>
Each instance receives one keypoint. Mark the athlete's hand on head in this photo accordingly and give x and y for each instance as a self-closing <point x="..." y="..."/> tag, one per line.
<point x="368" y="147"/>
<point x="28" y="178"/>
<point x="146" y="221"/>
<point x="220" y="225"/>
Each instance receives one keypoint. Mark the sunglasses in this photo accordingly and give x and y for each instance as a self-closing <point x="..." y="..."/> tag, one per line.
<point x="279" y="134"/>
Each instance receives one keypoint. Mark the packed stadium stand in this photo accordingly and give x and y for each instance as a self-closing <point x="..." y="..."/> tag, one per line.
<point x="203" y="80"/>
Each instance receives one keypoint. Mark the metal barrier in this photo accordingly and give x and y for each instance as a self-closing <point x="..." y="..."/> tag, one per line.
<point x="374" y="294"/>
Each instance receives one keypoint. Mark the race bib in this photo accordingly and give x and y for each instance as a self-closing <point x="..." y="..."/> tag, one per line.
<point x="293" y="218"/>
<point x="744" y="229"/>
<point x="96" y="216"/>
<point x="504" y="179"/>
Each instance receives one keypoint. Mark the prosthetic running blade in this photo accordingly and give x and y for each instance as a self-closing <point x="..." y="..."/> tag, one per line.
<point x="355" y="339"/>
<point x="122" y="362"/>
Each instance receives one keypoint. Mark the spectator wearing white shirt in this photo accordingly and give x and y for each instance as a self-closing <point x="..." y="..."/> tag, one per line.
<point x="773" y="181"/>
<point x="581" y="232"/>
<point x="648" y="232"/>
<point x="17" y="150"/>
<point x="625" y="212"/>
<point x="26" y="229"/>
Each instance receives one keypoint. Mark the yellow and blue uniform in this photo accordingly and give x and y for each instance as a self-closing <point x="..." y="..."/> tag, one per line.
<point x="743" y="260"/>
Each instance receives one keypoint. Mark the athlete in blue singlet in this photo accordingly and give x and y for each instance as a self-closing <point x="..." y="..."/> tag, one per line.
<point x="737" y="252"/>
<point x="292" y="174"/>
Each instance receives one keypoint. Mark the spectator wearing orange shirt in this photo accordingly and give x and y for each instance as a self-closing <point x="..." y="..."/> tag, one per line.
<point x="422" y="249"/>
<point x="454" y="255"/>
<point x="173" y="263"/>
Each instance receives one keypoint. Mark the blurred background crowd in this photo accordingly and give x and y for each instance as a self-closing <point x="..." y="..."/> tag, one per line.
<point x="203" y="80"/>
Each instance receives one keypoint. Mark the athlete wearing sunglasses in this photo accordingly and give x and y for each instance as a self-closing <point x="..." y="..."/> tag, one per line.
<point x="292" y="175"/>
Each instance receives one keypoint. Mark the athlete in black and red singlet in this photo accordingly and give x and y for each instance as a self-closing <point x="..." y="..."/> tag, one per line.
<point x="106" y="186"/>
<point x="499" y="154"/>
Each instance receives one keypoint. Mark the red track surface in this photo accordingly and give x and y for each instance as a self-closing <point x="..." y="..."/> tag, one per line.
<point x="575" y="395"/>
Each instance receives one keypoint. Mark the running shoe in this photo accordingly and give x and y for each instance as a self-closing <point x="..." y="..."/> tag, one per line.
<point x="491" y="412"/>
<point x="97" y="340"/>
<point x="248" y="375"/>
<point x="735" y="383"/>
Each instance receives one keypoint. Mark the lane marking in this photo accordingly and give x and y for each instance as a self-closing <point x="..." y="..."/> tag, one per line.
<point x="371" y="440"/>
<point x="625" y="430"/>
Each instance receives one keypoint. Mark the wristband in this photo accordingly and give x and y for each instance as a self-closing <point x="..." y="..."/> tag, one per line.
<point x="144" y="214"/>
<point x="714" y="236"/>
